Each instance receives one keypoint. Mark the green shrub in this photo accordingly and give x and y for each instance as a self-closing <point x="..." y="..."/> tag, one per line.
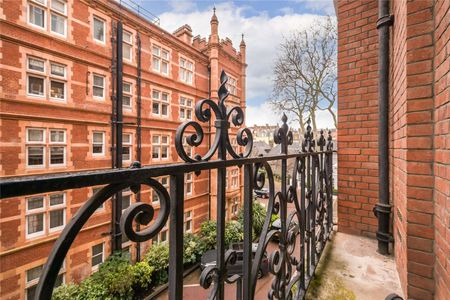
<point x="208" y="233"/>
<point x="88" y="289"/>
<point x="157" y="257"/>
<point x="92" y="289"/>
<point x="194" y="247"/>
<point x="115" y="279"/>
<point x="142" y="276"/>
<point x="66" y="291"/>
<point x="234" y="232"/>
<point x="259" y="216"/>
<point x="115" y="274"/>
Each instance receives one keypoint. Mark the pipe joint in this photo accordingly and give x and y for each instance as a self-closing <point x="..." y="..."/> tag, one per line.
<point x="386" y="20"/>
<point x="382" y="209"/>
<point x="384" y="237"/>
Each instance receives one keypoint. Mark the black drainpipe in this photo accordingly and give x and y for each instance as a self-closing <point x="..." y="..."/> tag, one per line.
<point x="209" y="144"/>
<point x="117" y="203"/>
<point x="382" y="209"/>
<point x="138" y="129"/>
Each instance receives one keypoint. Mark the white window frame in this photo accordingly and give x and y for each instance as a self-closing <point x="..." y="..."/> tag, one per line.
<point x="47" y="144"/>
<point x="129" y="43"/>
<point x="128" y="144"/>
<point x="189" y="182"/>
<point x="60" y="14"/>
<point x="159" y="100"/>
<point x="188" y="218"/>
<point x="186" y="71"/>
<point x="186" y="107"/>
<point x="32" y="212"/>
<point x="62" y="207"/>
<point x="95" y="267"/>
<point x="57" y="78"/>
<point x="232" y="85"/>
<point x="94" y="17"/>
<point x="45" y="211"/>
<point x="42" y="144"/>
<point x="57" y="144"/>
<point x="47" y="78"/>
<point x="102" y="144"/>
<point x="43" y="84"/>
<point x="48" y="11"/>
<point x="128" y="94"/>
<point x="102" y="98"/>
<point x="159" y="57"/>
<point x="40" y="6"/>
<point x="37" y="74"/>
<point x="160" y="145"/>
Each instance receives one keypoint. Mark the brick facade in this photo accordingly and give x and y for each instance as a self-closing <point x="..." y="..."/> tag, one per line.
<point x="441" y="167"/>
<point x="81" y="113"/>
<point x="419" y="135"/>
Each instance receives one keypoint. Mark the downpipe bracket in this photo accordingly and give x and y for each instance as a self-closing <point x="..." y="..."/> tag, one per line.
<point x="386" y="20"/>
<point x="382" y="212"/>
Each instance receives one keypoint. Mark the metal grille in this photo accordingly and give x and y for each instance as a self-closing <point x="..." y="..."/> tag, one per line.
<point x="303" y="232"/>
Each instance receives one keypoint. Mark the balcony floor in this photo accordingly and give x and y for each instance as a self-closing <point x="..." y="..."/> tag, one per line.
<point x="351" y="268"/>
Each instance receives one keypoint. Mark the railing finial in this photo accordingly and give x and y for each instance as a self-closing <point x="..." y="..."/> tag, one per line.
<point x="321" y="141"/>
<point x="308" y="142"/>
<point x="283" y="135"/>
<point x="330" y="141"/>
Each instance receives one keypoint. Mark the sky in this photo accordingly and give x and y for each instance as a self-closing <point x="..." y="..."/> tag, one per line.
<point x="263" y="23"/>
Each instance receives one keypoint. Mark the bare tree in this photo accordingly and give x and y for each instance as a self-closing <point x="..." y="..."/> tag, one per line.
<point x="305" y="73"/>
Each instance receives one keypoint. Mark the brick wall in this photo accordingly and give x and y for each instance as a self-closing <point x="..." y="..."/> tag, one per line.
<point x="418" y="148"/>
<point x="358" y="116"/>
<point x="442" y="148"/>
<point x="397" y="141"/>
<point x="419" y="135"/>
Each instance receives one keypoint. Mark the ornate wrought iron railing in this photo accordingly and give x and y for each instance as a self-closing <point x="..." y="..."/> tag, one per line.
<point x="301" y="237"/>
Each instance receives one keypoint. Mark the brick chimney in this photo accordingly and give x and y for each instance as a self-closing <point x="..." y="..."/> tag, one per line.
<point x="184" y="33"/>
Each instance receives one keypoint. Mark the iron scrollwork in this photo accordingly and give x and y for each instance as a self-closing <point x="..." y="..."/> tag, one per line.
<point x="304" y="205"/>
<point x="207" y="110"/>
<point x="140" y="212"/>
<point x="308" y="225"/>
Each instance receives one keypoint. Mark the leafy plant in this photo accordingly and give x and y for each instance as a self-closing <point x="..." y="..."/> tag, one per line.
<point x="142" y="275"/>
<point x="115" y="274"/>
<point x="208" y="233"/>
<point x="234" y="232"/>
<point x="115" y="279"/>
<point x="194" y="247"/>
<point x="157" y="257"/>
<point x="259" y="216"/>
<point x="66" y="291"/>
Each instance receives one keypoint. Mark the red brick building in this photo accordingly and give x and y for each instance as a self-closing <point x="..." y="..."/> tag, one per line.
<point x="419" y="135"/>
<point x="56" y="109"/>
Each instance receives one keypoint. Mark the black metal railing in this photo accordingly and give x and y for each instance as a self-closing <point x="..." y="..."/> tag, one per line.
<point x="304" y="205"/>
